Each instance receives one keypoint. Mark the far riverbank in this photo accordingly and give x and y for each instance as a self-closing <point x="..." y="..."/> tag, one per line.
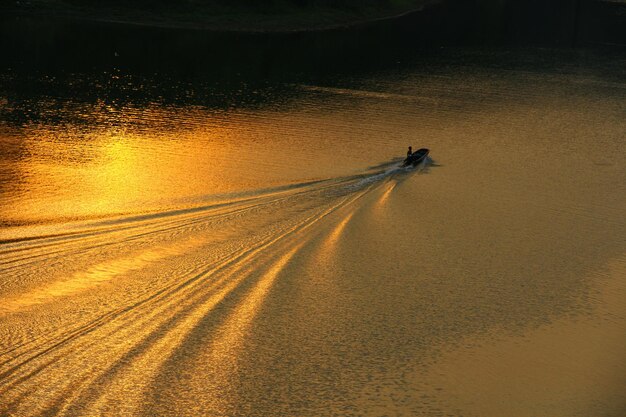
<point x="213" y="16"/>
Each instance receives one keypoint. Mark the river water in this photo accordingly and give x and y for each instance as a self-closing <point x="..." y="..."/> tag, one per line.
<point x="210" y="224"/>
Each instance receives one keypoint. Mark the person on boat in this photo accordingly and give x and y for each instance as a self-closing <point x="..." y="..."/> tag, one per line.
<point x="409" y="152"/>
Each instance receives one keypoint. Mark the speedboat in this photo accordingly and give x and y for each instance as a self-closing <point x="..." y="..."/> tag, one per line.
<point x="416" y="157"/>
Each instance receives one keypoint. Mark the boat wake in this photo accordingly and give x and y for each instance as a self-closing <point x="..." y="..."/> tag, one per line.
<point x="93" y="311"/>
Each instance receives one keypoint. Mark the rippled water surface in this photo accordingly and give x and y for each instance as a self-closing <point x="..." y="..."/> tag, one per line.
<point x="212" y="238"/>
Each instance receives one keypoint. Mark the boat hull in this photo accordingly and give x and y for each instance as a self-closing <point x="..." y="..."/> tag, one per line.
<point x="416" y="157"/>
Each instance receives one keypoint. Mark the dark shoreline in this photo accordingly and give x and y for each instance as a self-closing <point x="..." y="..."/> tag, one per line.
<point x="310" y="21"/>
<point x="559" y="22"/>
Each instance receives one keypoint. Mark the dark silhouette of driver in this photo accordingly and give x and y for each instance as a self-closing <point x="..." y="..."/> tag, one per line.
<point x="409" y="152"/>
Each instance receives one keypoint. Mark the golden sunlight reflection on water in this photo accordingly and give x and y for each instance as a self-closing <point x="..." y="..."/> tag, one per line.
<point x="73" y="174"/>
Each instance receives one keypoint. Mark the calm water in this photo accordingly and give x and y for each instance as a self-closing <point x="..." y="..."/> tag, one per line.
<point x="205" y="224"/>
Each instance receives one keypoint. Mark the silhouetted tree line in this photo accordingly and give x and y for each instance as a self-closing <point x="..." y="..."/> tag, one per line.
<point x="570" y="22"/>
<point x="251" y="4"/>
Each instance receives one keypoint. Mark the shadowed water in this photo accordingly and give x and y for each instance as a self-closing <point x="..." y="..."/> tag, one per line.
<point x="194" y="239"/>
